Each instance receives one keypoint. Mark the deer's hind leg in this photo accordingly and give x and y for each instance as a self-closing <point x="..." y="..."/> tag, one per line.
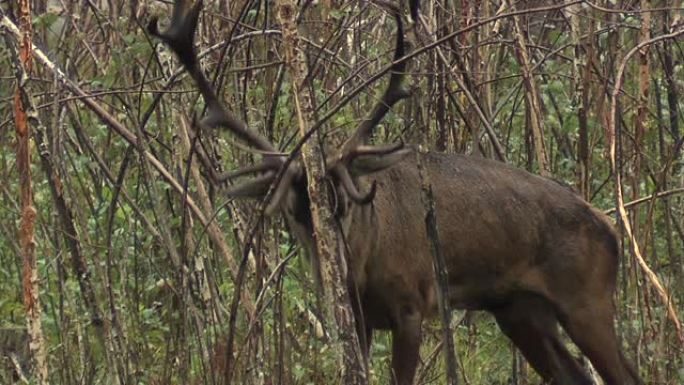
<point x="585" y="305"/>
<point x="590" y="325"/>
<point x="530" y="322"/>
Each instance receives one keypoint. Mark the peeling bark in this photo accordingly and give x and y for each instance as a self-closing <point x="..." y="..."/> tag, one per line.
<point x="326" y="235"/>
<point x="22" y="115"/>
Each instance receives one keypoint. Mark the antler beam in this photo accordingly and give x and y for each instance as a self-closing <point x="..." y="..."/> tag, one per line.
<point x="357" y="144"/>
<point x="179" y="37"/>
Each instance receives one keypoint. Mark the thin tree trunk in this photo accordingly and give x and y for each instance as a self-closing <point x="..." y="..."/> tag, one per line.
<point x="22" y="114"/>
<point x="673" y="111"/>
<point x="672" y="88"/>
<point x="328" y="240"/>
<point x="581" y="80"/>
<point x="439" y="266"/>
<point x="533" y="97"/>
<point x="643" y="80"/>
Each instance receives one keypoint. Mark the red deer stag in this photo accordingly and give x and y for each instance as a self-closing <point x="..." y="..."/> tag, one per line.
<point x="522" y="247"/>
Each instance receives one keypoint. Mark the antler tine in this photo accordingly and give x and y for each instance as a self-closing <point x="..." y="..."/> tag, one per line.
<point x="345" y="179"/>
<point x="395" y="92"/>
<point x="253" y="169"/>
<point x="364" y="150"/>
<point x="179" y="37"/>
<point x="356" y="145"/>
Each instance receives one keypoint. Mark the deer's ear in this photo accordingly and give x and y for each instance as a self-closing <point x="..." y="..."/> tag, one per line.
<point x="368" y="164"/>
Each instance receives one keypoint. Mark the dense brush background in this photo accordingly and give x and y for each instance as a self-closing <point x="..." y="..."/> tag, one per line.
<point x="146" y="294"/>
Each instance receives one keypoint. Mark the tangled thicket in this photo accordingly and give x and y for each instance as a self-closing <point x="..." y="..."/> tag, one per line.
<point x="139" y="256"/>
